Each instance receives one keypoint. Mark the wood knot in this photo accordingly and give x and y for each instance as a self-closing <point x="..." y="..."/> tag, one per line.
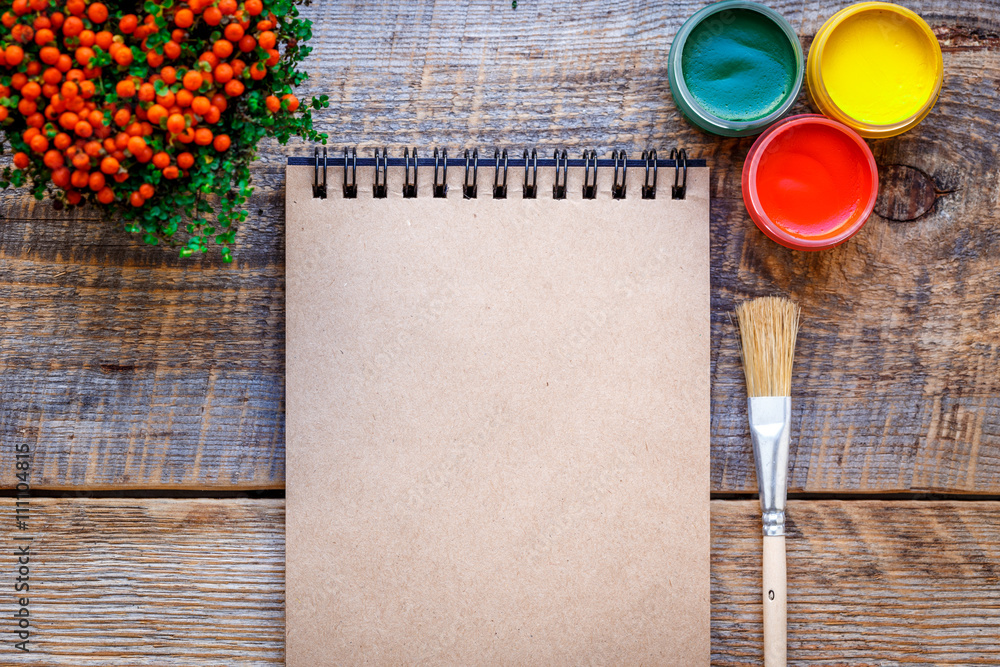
<point x="905" y="193"/>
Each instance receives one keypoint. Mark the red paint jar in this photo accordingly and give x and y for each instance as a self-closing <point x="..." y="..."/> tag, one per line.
<point x="810" y="182"/>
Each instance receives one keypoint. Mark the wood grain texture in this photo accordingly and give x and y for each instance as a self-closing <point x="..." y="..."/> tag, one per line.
<point x="151" y="582"/>
<point x="127" y="368"/>
<point x="200" y="582"/>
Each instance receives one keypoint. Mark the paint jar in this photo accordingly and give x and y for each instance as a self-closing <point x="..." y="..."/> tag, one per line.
<point x="875" y="67"/>
<point x="735" y="67"/>
<point x="809" y="182"/>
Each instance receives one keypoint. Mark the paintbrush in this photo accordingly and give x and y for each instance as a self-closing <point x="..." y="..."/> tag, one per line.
<point x="768" y="327"/>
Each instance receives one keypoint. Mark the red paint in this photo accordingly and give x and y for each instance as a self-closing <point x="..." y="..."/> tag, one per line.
<point x="810" y="182"/>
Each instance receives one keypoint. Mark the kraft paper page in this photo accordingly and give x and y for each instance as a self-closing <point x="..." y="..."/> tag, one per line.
<point x="497" y="424"/>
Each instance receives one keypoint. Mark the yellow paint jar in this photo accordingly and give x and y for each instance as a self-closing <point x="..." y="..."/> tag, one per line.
<point x="876" y="67"/>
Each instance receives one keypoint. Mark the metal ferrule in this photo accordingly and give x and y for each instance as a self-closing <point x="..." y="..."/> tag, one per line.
<point x="770" y="423"/>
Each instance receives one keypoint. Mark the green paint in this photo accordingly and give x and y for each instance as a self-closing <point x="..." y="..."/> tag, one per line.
<point x="739" y="65"/>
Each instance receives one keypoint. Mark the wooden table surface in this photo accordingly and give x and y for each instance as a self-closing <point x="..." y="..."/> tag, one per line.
<point x="151" y="389"/>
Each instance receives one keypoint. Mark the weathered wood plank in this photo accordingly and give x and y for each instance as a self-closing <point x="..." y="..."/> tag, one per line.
<point x="150" y="582"/>
<point x="896" y="383"/>
<point x="200" y="582"/>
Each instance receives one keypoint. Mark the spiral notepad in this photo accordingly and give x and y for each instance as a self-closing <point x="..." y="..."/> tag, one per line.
<point x="497" y="409"/>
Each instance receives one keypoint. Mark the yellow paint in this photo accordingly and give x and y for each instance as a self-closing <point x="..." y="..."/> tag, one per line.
<point x="881" y="67"/>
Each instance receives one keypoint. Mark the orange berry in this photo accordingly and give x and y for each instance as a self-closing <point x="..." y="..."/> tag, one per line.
<point x="49" y="55"/>
<point x="27" y="107"/>
<point x="258" y="71"/>
<point x="87" y="89"/>
<point x="122" y="117"/>
<point x="14" y="54"/>
<point x="109" y="165"/>
<point x="3" y="114"/>
<point x="184" y="18"/>
<point x="213" y="116"/>
<point x="172" y="50"/>
<point x="72" y="27"/>
<point x="272" y="57"/>
<point x="254" y="7"/>
<point x="235" y="88"/>
<point x="31" y="90"/>
<point x="136" y="145"/>
<point x="105" y="39"/>
<point x="187" y="136"/>
<point x="200" y="105"/>
<point x="146" y="190"/>
<point x="87" y="38"/>
<point x="84" y="129"/>
<point x="219" y="100"/>
<point x="97" y="13"/>
<point x="192" y="80"/>
<point x="21" y="160"/>
<point x="128" y="24"/>
<point x="227" y="7"/>
<point x="169" y="75"/>
<point x="273" y="104"/>
<point x="203" y="136"/>
<point x="83" y="55"/>
<point x="168" y="99"/>
<point x="154" y="59"/>
<point x="156" y="113"/>
<point x="222" y="48"/>
<point x="69" y="90"/>
<point x="213" y="16"/>
<point x="185" y="160"/>
<point x="291" y="102"/>
<point x="39" y="144"/>
<point x="161" y="160"/>
<point x="247" y="43"/>
<point x="267" y="40"/>
<point x="264" y="25"/>
<point x="184" y="98"/>
<point x="178" y="36"/>
<point x="233" y="32"/>
<point x="136" y="199"/>
<point x="224" y="72"/>
<point x="170" y="173"/>
<point x="210" y="58"/>
<point x="96" y="181"/>
<point x="93" y="148"/>
<point x="121" y="176"/>
<point x="44" y="36"/>
<point x="60" y="177"/>
<point x="76" y="7"/>
<point x="53" y="159"/>
<point x="147" y="92"/>
<point x="124" y="57"/>
<point x="176" y="123"/>
<point x="80" y="179"/>
<point x="73" y="197"/>
<point x="65" y="63"/>
<point x="221" y="143"/>
<point x="106" y="195"/>
<point x="125" y="88"/>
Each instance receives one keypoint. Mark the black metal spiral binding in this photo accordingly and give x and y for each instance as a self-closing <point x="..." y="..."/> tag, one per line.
<point x="380" y="189"/>
<point x="469" y="189"/>
<point x="499" y="188"/>
<point x="559" y="189"/>
<point x="409" y="188"/>
<point x="351" y="187"/>
<point x="618" y="188"/>
<point x="319" y="190"/>
<point x="501" y="164"/>
<point x="589" y="182"/>
<point x="441" y="187"/>
<point x="649" y="188"/>
<point x="679" y="190"/>
<point x="531" y="189"/>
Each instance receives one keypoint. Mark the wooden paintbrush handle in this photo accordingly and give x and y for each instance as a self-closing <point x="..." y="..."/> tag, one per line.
<point x="775" y="632"/>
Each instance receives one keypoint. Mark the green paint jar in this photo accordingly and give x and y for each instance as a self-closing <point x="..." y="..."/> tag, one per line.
<point x="735" y="67"/>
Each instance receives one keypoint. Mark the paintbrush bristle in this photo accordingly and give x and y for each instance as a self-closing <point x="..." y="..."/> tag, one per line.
<point x="768" y="327"/>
